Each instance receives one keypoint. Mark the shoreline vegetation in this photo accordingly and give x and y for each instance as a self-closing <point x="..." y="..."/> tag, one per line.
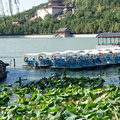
<point x="46" y="36"/>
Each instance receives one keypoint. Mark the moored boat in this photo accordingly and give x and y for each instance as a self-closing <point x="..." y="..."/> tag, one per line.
<point x="37" y="60"/>
<point x="3" y="72"/>
<point x="44" y="60"/>
<point x="30" y="60"/>
<point x="106" y="54"/>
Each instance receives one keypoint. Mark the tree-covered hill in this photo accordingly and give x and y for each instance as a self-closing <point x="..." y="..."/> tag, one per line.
<point x="92" y="16"/>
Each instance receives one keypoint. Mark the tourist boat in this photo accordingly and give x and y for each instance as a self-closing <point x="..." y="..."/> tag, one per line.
<point x="37" y="60"/>
<point x="71" y="60"/>
<point x="3" y="72"/>
<point x="44" y="60"/>
<point x="106" y="54"/>
<point x="30" y="60"/>
<point x="74" y="60"/>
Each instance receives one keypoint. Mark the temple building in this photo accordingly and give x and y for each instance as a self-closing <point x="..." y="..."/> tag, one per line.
<point x="63" y="32"/>
<point x="54" y="7"/>
<point x="55" y="3"/>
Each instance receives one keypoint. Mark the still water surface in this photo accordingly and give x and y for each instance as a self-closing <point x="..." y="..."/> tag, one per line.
<point x="16" y="48"/>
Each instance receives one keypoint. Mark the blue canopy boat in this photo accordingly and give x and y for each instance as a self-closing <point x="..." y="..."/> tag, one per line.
<point x="44" y="60"/>
<point x="75" y="60"/>
<point x="37" y="60"/>
<point x="30" y="60"/>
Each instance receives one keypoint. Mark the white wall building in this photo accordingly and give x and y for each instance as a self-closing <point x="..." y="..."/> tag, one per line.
<point x="52" y="10"/>
<point x="54" y="7"/>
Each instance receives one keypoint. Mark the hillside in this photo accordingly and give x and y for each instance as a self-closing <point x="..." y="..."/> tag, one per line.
<point x="92" y="16"/>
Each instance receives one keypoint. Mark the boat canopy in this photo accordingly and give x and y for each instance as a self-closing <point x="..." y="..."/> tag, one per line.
<point x="108" y="35"/>
<point x="32" y="54"/>
<point x="46" y="53"/>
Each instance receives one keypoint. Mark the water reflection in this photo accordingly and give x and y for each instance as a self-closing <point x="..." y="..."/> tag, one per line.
<point x="31" y="74"/>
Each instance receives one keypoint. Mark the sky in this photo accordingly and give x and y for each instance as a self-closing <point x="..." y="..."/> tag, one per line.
<point x="28" y="4"/>
<point x="23" y="5"/>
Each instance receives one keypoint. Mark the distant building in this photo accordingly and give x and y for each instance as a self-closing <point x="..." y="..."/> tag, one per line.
<point x="67" y="9"/>
<point x="55" y="3"/>
<point x="108" y="40"/>
<point x="33" y="18"/>
<point x="63" y="32"/>
<point x="54" y="7"/>
<point x="17" y="23"/>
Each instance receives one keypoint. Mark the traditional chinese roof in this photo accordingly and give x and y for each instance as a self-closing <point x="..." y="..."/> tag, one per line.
<point x="63" y="30"/>
<point x="108" y="35"/>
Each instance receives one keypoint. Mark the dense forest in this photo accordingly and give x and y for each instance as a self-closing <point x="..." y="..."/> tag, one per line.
<point x="92" y="16"/>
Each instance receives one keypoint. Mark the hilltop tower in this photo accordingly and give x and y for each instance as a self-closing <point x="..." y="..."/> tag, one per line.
<point x="55" y="2"/>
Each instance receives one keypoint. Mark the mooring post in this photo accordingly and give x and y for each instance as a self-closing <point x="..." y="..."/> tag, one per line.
<point x="10" y="62"/>
<point x="14" y="62"/>
<point x="65" y="70"/>
<point x="100" y="72"/>
<point x="20" y="81"/>
<point x="119" y="81"/>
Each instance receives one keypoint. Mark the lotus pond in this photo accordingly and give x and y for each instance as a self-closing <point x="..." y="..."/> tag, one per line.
<point x="60" y="98"/>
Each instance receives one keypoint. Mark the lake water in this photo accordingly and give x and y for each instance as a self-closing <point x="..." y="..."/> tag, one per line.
<point x="16" y="48"/>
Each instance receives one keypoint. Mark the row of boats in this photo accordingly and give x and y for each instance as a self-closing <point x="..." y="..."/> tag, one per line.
<point x="73" y="59"/>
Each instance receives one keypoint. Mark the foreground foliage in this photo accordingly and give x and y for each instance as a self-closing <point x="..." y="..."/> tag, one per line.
<point x="61" y="98"/>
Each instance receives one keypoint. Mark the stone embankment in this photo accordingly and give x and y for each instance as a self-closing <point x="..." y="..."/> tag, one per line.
<point x="47" y="36"/>
<point x="84" y="35"/>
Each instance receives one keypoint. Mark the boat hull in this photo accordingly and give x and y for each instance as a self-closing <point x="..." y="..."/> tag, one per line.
<point x="3" y="75"/>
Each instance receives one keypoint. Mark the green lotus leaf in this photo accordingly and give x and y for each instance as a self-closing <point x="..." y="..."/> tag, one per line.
<point x="9" y="93"/>
<point x="104" y="106"/>
<point x="32" y="114"/>
<point x="18" y="92"/>
<point x="11" y="106"/>
<point x="90" y="106"/>
<point x="19" y="118"/>
<point x="1" y="119"/>
<point x="58" y="101"/>
<point x="2" y="102"/>
<point x="2" y="96"/>
<point x="44" y="108"/>
<point x="23" y="101"/>
<point x="54" y="110"/>
<point x="57" y="116"/>
<point x="39" y="98"/>
<point x="6" y="99"/>
<point x="21" y="109"/>
<point x="4" y="89"/>
<point x="72" y="109"/>
<point x="69" y="115"/>
<point x="34" y="96"/>
<point x="101" y="98"/>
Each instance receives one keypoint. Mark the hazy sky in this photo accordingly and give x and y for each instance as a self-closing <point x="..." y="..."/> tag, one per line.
<point x="27" y="4"/>
<point x="24" y="5"/>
